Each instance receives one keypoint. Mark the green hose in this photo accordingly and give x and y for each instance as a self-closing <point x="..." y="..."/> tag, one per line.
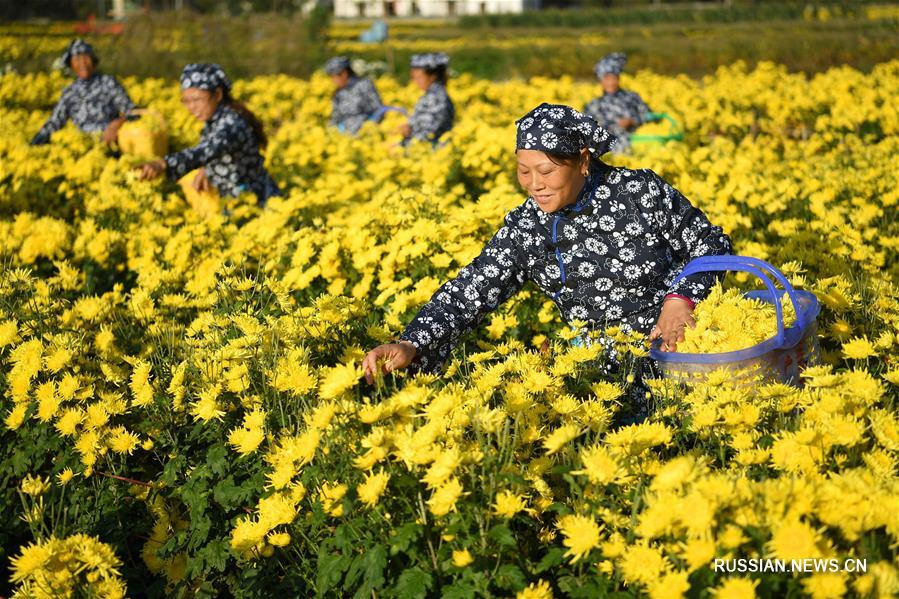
<point x="675" y="131"/>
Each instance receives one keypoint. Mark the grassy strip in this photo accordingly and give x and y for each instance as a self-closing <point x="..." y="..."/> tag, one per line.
<point x="159" y="45"/>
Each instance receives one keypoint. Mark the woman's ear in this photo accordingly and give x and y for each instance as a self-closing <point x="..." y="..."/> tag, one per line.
<point x="218" y="95"/>
<point x="585" y="162"/>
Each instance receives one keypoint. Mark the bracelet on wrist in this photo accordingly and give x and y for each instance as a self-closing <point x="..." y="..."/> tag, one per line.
<point x="678" y="296"/>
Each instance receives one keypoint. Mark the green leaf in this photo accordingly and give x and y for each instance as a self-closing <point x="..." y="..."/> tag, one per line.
<point x="403" y="537"/>
<point x="413" y="584"/>
<point x="171" y="473"/>
<point x="581" y="587"/>
<point x="357" y="565"/>
<point x="331" y="567"/>
<point x="553" y="558"/>
<point x="509" y="577"/>
<point x="199" y="532"/>
<point x="227" y="494"/>
<point x="217" y="459"/>
<point x="462" y="589"/>
<point x="216" y="554"/>
<point x="375" y="564"/>
<point x="502" y="535"/>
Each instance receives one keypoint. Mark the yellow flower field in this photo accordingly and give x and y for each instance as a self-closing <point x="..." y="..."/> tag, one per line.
<point x="181" y="401"/>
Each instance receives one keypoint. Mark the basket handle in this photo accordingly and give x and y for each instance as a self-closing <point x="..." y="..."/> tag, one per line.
<point x="760" y="269"/>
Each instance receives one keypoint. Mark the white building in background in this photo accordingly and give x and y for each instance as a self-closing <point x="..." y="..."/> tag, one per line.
<point x="354" y="9"/>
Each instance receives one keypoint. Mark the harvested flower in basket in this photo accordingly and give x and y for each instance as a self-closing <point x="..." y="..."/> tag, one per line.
<point x="728" y="321"/>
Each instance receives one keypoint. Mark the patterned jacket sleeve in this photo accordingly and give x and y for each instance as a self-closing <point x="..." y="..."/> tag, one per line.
<point x="594" y="109"/>
<point x="430" y="115"/>
<point x="59" y="116"/>
<point x="120" y="98"/>
<point x="336" y="114"/>
<point x="641" y="109"/>
<point x="460" y="304"/>
<point x="689" y="233"/>
<point x="373" y="98"/>
<point x="212" y="145"/>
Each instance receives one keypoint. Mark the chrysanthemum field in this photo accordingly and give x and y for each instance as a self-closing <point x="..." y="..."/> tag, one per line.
<point x="182" y="410"/>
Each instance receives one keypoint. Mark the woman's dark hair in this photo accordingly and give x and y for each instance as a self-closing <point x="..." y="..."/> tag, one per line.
<point x="573" y="159"/>
<point x="247" y="115"/>
<point x="350" y="73"/>
<point x="439" y="72"/>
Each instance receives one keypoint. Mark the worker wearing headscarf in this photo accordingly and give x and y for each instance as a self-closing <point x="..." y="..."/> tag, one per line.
<point x="619" y="111"/>
<point x="604" y="243"/>
<point x="434" y="112"/>
<point x="94" y="101"/>
<point x="229" y="152"/>
<point x="355" y="101"/>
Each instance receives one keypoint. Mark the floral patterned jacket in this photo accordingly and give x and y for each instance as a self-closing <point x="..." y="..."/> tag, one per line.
<point x="355" y="104"/>
<point x="608" y="108"/>
<point x="91" y="104"/>
<point x="433" y="115"/>
<point x="609" y="259"/>
<point x="229" y="151"/>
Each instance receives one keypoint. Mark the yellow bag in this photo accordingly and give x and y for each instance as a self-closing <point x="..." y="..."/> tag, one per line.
<point x="206" y="203"/>
<point x="146" y="137"/>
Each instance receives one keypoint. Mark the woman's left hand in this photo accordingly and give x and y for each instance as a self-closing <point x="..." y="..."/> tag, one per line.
<point x="111" y="133"/>
<point x="201" y="182"/>
<point x="676" y="316"/>
<point x="151" y="170"/>
<point x="405" y="130"/>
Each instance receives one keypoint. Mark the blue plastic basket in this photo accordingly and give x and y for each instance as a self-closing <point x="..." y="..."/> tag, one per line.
<point x="780" y="358"/>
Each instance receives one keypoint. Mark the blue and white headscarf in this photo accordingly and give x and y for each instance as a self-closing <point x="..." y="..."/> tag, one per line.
<point x="431" y="60"/>
<point x="611" y="63"/>
<point x="76" y="47"/>
<point x="337" y="65"/>
<point x="207" y="76"/>
<point x="561" y="130"/>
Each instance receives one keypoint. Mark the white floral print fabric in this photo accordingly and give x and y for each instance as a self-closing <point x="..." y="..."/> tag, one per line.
<point x="229" y="151"/>
<point x="433" y="115"/>
<point x="608" y="260"/>
<point x="354" y="104"/>
<point x="91" y="104"/>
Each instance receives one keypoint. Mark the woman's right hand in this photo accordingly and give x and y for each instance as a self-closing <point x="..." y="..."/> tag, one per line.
<point x="151" y="170"/>
<point x="200" y="182"/>
<point x="393" y="356"/>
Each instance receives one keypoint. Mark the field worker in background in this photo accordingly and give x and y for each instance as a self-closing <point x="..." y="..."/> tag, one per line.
<point x="620" y="111"/>
<point x="230" y="143"/>
<point x="94" y="102"/>
<point x="355" y="101"/>
<point x="604" y="242"/>
<point x="434" y="112"/>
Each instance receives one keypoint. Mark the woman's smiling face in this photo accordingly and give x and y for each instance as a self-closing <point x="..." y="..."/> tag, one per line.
<point x="201" y="103"/>
<point x="553" y="185"/>
<point x="82" y="65"/>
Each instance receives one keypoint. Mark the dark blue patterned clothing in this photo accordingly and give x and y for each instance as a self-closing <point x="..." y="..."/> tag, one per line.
<point x="354" y="104"/>
<point x="607" y="260"/>
<point x="229" y="152"/>
<point x="433" y="115"/>
<point x="91" y="104"/>
<point x="608" y="108"/>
